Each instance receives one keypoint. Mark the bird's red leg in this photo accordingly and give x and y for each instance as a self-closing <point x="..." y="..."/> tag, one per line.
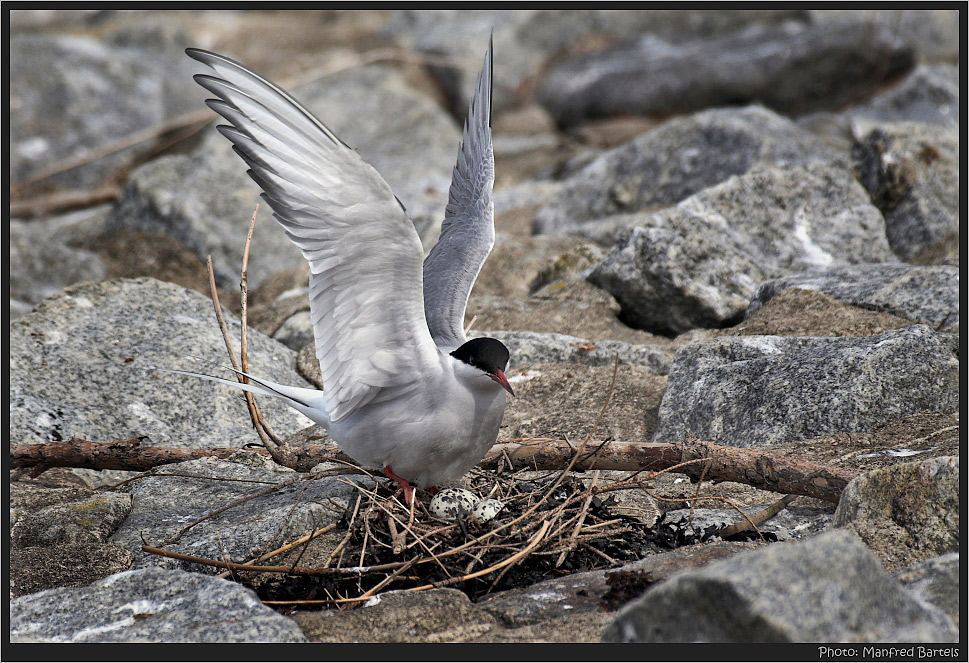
<point x="408" y="491"/>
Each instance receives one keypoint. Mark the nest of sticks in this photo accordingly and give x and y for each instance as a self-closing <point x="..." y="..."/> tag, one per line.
<point x="553" y="524"/>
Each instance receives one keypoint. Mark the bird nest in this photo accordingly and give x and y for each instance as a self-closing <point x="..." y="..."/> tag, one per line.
<point x="553" y="524"/>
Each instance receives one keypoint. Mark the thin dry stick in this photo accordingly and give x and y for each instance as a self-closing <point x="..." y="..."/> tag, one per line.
<point x="270" y="447"/>
<point x="386" y="581"/>
<point x="412" y="533"/>
<point x="260" y="420"/>
<point x="758" y="517"/>
<point x="124" y="143"/>
<point x="307" y="539"/>
<point x="599" y="553"/>
<point x="578" y="525"/>
<point x="63" y="201"/>
<point x="390" y="566"/>
<point x="699" y="484"/>
<point x="477" y="574"/>
<point x="289" y="546"/>
<point x="225" y="557"/>
<point x="346" y="539"/>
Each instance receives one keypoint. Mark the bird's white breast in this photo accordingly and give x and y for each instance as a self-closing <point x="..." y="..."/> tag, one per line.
<point x="430" y="431"/>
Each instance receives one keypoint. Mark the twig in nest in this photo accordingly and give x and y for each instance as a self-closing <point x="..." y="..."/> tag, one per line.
<point x="346" y="538"/>
<point x="225" y="557"/>
<point x="289" y="546"/>
<point x="477" y="574"/>
<point x="581" y="521"/>
<point x="397" y="539"/>
<point x="269" y="439"/>
<point x="287" y="569"/>
<point x="389" y="579"/>
<point x="408" y="529"/>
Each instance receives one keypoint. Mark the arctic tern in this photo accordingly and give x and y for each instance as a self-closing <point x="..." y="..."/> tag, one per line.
<point x="404" y="390"/>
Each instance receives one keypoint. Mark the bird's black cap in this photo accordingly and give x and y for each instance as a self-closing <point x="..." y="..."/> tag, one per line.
<point x="488" y="354"/>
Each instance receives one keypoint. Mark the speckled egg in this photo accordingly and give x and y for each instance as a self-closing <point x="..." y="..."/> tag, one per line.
<point x="450" y="502"/>
<point x="485" y="510"/>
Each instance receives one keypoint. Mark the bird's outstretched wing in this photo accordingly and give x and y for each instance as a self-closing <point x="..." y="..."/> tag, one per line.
<point x="468" y="231"/>
<point x="366" y="299"/>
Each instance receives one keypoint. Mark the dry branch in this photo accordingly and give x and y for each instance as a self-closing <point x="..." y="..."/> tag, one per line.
<point x="63" y="202"/>
<point x="760" y="469"/>
<point x="781" y="474"/>
<point x="127" y="455"/>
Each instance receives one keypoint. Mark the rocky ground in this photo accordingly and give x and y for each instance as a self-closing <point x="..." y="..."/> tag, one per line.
<point x="756" y="212"/>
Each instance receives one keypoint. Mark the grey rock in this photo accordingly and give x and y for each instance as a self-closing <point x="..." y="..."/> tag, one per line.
<point x="35" y="569"/>
<point x="547" y="348"/>
<point x="43" y="260"/>
<point x="71" y="95"/>
<point x="933" y="34"/>
<point x="150" y="605"/>
<point x="911" y="170"/>
<point x="90" y="520"/>
<point x="44" y="19"/>
<point x="86" y="363"/>
<point x="522" y="266"/>
<point x="577" y="308"/>
<point x="161" y="506"/>
<point x="787" y="67"/>
<point x="206" y="199"/>
<point x="25" y="498"/>
<point x="529" y="193"/>
<point x="757" y="391"/>
<point x="928" y="295"/>
<point x="943" y="252"/>
<point x="525" y="39"/>
<point x="160" y="32"/>
<point x="930" y="94"/>
<point x="697" y="264"/>
<point x="677" y="159"/>
<point x="296" y="331"/>
<point x="566" y="401"/>
<point x="598" y="591"/>
<point x="905" y="513"/>
<point x="936" y="581"/>
<point x="828" y="588"/>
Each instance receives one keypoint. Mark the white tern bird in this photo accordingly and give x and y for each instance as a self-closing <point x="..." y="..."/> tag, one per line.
<point x="404" y="390"/>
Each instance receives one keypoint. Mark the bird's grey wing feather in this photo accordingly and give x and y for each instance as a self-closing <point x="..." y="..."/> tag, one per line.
<point x="468" y="230"/>
<point x="366" y="299"/>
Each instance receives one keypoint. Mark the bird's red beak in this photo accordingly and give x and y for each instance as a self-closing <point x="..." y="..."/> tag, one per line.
<point x="500" y="378"/>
